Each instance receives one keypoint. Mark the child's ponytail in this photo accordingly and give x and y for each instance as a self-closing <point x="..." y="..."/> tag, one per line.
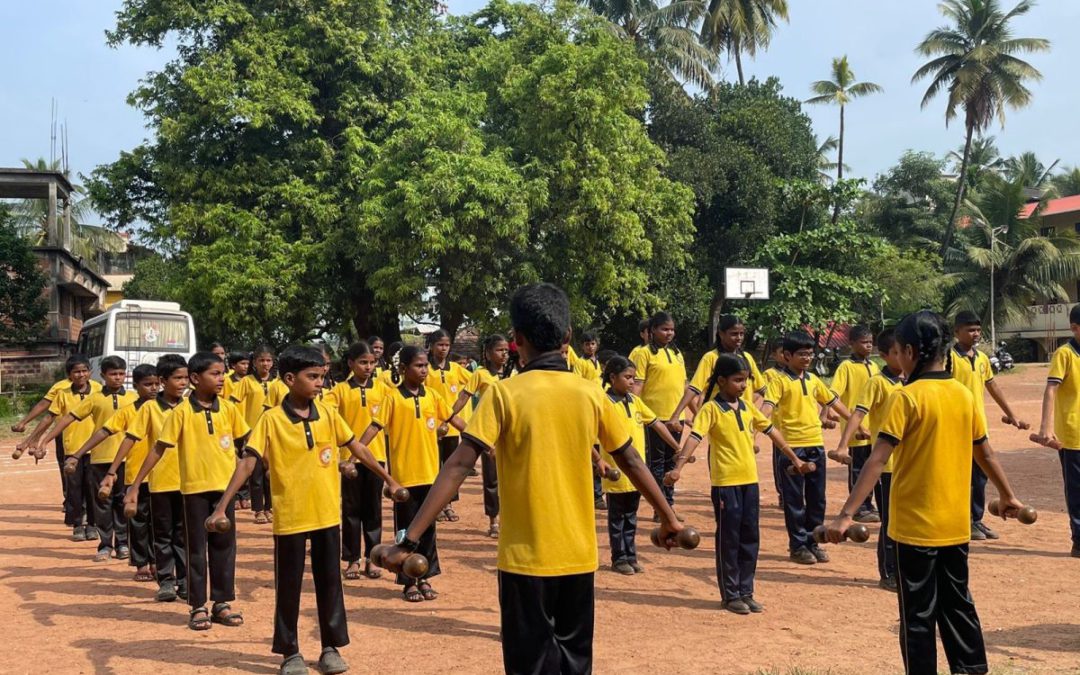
<point x="615" y="365"/>
<point x="927" y="333"/>
<point x="726" y="366"/>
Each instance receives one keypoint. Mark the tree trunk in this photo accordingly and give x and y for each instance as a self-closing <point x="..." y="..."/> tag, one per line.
<point x="715" y="307"/>
<point x="950" y="226"/>
<point x="839" y="165"/>
<point x="368" y="319"/>
<point x="738" y="63"/>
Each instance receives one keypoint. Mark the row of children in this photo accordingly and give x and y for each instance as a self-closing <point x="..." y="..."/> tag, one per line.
<point x="546" y="549"/>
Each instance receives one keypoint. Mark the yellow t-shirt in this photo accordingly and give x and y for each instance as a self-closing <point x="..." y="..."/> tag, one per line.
<point x="66" y="400"/>
<point x="410" y="422"/>
<point x="250" y="396"/>
<point x="973" y="372"/>
<point x="768" y="377"/>
<point x="359" y="404"/>
<point x="589" y="369"/>
<point x="796" y="400"/>
<point x="635" y="416"/>
<point x="146" y="427"/>
<point x="230" y="384"/>
<point x="872" y="401"/>
<point x="205" y="440"/>
<point x="543" y="424"/>
<point x="50" y="395"/>
<point x="848" y="382"/>
<point x="118" y="425"/>
<point x="276" y="392"/>
<point x="480" y="381"/>
<point x="448" y="383"/>
<point x="700" y="381"/>
<point x="1065" y="371"/>
<point x="730" y="429"/>
<point x="302" y="457"/>
<point x="933" y="421"/>
<point x="663" y="373"/>
<point x="100" y="408"/>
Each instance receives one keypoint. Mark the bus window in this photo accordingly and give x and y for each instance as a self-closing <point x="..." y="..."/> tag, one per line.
<point x="151" y="333"/>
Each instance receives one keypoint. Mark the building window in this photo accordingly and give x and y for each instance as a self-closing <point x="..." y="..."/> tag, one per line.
<point x="1076" y="228"/>
<point x="1046" y="231"/>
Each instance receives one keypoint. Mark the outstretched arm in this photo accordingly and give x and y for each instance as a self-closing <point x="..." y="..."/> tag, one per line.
<point x="999" y="397"/>
<point x="453" y="473"/>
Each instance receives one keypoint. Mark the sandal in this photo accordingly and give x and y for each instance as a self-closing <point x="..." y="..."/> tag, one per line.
<point x="441" y="518"/>
<point x="371" y="572"/>
<point x="412" y="594"/>
<point x="245" y="504"/>
<point x="196" y="622"/>
<point x="493" y="531"/>
<point x="352" y="572"/>
<point x="427" y="591"/>
<point x="222" y="613"/>
<point x="143" y="575"/>
<point x="260" y="518"/>
<point x="269" y="515"/>
<point x="451" y="515"/>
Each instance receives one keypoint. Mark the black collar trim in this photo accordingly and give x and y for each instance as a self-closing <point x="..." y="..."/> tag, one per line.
<point x="889" y="375"/>
<point x="420" y="392"/>
<point x="548" y="361"/>
<point x="356" y="385"/>
<point x="727" y="406"/>
<point x="164" y="404"/>
<point x="111" y="392"/>
<point x="290" y="412"/>
<point x="1075" y="345"/>
<point x="198" y="407"/>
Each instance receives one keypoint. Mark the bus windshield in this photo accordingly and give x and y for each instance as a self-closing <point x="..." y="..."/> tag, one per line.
<point x="148" y="332"/>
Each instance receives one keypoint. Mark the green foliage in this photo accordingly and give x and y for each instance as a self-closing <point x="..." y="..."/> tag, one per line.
<point x="22" y="283"/>
<point x="818" y="275"/>
<point x="909" y="203"/>
<point x="909" y="279"/>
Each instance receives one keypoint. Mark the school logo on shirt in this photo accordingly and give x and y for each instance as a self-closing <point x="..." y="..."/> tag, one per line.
<point x="637" y="417"/>
<point x="431" y="423"/>
<point x="374" y="410"/>
<point x="325" y="456"/>
<point x="453" y="389"/>
<point x="225" y="442"/>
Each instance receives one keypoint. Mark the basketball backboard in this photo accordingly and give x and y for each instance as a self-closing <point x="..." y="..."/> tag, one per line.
<point x="746" y="283"/>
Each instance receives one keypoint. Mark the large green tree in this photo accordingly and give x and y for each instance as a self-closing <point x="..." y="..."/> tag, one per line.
<point x="975" y="62"/>
<point x="738" y="26"/>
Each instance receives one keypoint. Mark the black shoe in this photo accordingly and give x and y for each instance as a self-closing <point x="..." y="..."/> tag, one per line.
<point x="803" y="556"/>
<point x="181" y="590"/>
<point x="990" y="534"/>
<point x="123" y="553"/>
<point x="867" y="516"/>
<point x="638" y="569"/>
<point x="623" y="568"/>
<point x="976" y="533"/>
<point x="331" y="663"/>
<point x="819" y="554"/>
<point x="889" y="584"/>
<point x="600" y="504"/>
<point x="755" y="606"/>
<point x="166" y="591"/>
<point x="735" y="606"/>
<point x="1075" y="551"/>
<point x="293" y="665"/>
<point x="78" y="533"/>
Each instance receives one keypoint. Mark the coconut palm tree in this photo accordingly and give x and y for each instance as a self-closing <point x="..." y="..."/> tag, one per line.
<point x="1027" y="266"/>
<point x="737" y="26"/>
<point x="840" y="91"/>
<point x="983" y="158"/>
<point x="975" y="61"/>
<point x="1067" y="183"/>
<point x="663" y="35"/>
<point x="1029" y="171"/>
<point x="826" y="166"/>
<point x="31" y="220"/>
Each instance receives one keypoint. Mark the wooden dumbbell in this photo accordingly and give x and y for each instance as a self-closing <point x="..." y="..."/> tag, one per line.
<point x="1026" y="515"/>
<point x="219" y="525"/>
<point x="412" y="565"/>
<point x="687" y="538"/>
<point x="130" y="509"/>
<point x="837" y="457"/>
<point x="401" y="495"/>
<point x="348" y="469"/>
<point x="71" y="465"/>
<point x="857" y="533"/>
<point x="792" y="471"/>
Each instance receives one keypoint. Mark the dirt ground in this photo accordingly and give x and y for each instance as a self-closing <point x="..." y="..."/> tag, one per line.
<point x="67" y="614"/>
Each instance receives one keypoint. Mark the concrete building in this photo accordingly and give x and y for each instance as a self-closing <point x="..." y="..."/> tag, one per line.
<point x="1047" y="325"/>
<point x="75" y="289"/>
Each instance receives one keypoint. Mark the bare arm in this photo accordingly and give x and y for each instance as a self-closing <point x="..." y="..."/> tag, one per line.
<point x="39" y="408"/>
<point x="1046" y="426"/>
<point x="361" y="452"/>
<point x="64" y="423"/>
<point x="31" y="441"/>
<point x="1010" y="418"/>
<point x="461" y="402"/>
<point x="629" y="461"/>
<point x="244" y="468"/>
<point x="868" y="478"/>
<point x="841" y="409"/>
<point x="689" y="398"/>
<point x="987" y="461"/>
<point x="95" y="440"/>
<point x="850" y="429"/>
<point x="665" y="435"/>
<point x="152" y="458"/>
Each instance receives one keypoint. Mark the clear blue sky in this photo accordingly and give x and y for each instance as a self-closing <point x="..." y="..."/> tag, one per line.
<point x="56" y="49"/>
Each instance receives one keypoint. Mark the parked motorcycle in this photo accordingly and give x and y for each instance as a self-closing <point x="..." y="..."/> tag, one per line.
<point x="1002" y="359"/>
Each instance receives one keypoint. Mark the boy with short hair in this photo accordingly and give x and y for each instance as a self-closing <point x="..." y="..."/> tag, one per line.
<point x="588" y="365"/>
<point x="547" y="544"/>
<point x="794" y="396"/>
<point x="145" y="379"/>
<point x="1060" y="425"/>
<point x="66" y="395"/>
<point x="205" y="432"/>
<point x="99" y="408"/>
<point x="972" y="368"/>
<point x="850" y="378"/>
<point x="299" y="441"/>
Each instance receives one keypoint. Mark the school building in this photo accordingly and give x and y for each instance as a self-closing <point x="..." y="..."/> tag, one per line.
<point x="1047" y="326"/>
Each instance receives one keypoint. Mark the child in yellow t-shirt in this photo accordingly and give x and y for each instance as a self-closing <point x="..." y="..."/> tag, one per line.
<point x="299" y="440"/>
<point x="931" y="430"/>
<point x="730" y="425"/>
<point x="850" y="378"/>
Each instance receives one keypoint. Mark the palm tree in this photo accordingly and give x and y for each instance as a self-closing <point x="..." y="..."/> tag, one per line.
<point x="1026" y="266"/>
<point x="983" y="158"/>
<point x="841" y="90"/>
<point x="1067" y="183"/>
<point x="1028" y="170"/>
<point x="975" y="61"/>
<point x="737" y="26"/>
<point x="30" y="218"/>
<point x="663" y="35"/>
<point x="825" y="165"/>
